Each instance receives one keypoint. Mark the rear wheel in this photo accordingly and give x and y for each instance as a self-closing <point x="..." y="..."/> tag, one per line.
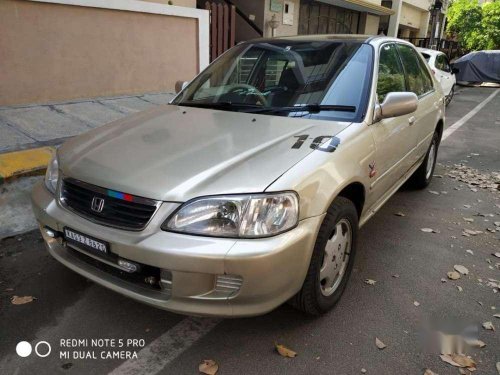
<point x="331" y="261"/>
<point x="423" y="175"/>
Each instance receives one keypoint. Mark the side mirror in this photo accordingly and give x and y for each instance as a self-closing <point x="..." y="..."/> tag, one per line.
<point x="396" y="104"/>
<point x="180" y="85"/>
<point x="454" y="70"/>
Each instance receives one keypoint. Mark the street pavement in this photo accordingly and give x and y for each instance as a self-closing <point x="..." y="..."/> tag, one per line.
<point x="408" y="296"/>
<point x="36" y="125"/>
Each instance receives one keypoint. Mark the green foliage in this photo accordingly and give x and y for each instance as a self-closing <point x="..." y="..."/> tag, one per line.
<point x="477" y="27"/>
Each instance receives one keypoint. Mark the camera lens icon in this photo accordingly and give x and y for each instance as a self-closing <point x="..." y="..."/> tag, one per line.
<point x="42" y="349"/>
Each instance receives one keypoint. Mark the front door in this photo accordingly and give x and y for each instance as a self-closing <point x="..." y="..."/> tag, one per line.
<point x="394" y="139"/>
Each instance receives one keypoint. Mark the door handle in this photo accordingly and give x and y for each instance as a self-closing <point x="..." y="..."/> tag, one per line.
<point x="412" y="120"/>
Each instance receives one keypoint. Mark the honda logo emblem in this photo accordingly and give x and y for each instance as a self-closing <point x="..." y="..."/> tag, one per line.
<point x="97" y="204"/>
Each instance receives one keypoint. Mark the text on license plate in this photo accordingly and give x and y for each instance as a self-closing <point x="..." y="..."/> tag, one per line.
<point x="84" y="240"/>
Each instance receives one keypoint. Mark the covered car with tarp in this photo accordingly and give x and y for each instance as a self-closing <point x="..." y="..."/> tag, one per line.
<point x="478" y="67"/>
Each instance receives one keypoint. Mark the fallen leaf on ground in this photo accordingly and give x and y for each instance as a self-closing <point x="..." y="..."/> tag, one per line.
<point x="497" y="255"/>
<point x="476" y="343"/>
<point x="370" y="282"/>
<point x="460" y="289"/>
<point x="458" y="360"/>
<point x="428" y="230"/>
<point x="284" y="351"/>
<point x="379" y="344"/>
<point x="469" y="219"/>
<point x="396" y="276"/>
<point x="429" y="372"/>
<point x="443" y="280"/>
<point x="416" y="303"/>
<point x="209" y="367"/>
<point x="459" y="268"/>
<point x="433" y="192"/>
<point x="497" y="316"/>
<point x="16" y="300"/>
<point x="498" y="367"/>
<point x="399" y="214"/>
<point x="489" y="326"/>
<point x="453" y="275"/>
<point x="469" y="251"/>
<point x="363" y="371"/>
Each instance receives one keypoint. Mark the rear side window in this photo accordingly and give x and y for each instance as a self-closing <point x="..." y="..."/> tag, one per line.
<point x="390" y="72"/>
<point x="418" y="78"/>
<point x="442" y="63"/>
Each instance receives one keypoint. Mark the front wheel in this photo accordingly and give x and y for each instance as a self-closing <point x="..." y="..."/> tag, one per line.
<point x="331" y="261"/>
<point x="423" y="175"/>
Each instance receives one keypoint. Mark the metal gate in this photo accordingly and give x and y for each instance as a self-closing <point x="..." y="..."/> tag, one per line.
<point x="320" y="18"/>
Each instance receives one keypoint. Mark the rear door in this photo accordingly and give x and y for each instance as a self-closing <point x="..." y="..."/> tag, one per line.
<point x="394" y="139"/>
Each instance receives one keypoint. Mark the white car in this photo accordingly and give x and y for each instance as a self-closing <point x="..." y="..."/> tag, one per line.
<point x="441" y="67"/>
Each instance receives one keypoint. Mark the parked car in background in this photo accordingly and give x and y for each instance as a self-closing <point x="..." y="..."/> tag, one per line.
<point x="249" y="188"/>
<point x="442" y="70"/>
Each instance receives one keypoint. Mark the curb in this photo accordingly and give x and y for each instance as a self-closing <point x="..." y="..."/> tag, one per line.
<point x="24" y="163"/>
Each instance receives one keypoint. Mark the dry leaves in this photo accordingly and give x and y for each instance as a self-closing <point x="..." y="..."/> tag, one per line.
<point x="209" y="367"/>
<point x="459" y="268"/>
<point x="496" y="254"/>
<point x="498" y="367"/>
<point x="379" y="344"/>
<point x="370" y="281"/>
<point x="453" y="275"/>
<point x="16" y="300"/>
<point x="428" y="230"/>
<point x="429" y="372"/>
<point x="284" y="351"/>
<point x="458" y="360"/>
<point x="488" y="326"/>
<point x="399" y="214"/>
<point x="472" y="177"/>
<point x="497" y="316"/>
<point x="416" y="303"/>
<point x="476" y="343"/>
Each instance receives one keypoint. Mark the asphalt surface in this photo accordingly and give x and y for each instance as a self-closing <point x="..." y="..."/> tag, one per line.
<point x="67" y="306"/>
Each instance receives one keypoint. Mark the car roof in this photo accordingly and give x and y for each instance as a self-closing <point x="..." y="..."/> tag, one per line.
<point x="374" y="39"/>
<point x="429" y="51"/>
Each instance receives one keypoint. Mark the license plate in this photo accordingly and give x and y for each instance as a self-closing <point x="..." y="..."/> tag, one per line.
<point x="86" y="242"/>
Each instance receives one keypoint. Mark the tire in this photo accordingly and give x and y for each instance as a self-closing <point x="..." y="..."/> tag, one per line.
<point x="449" y="97"/>
<point x="316" y="297"/>
<point x="422" y="176"/>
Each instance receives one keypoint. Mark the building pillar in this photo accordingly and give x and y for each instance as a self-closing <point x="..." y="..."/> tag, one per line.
<point x="424" y="24"/>
<point x="397" y="5"/>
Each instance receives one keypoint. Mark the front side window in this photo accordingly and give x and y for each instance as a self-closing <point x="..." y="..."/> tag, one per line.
<point x="417" y="76"/>
<point x="279" y="76"/>
<point x="390" y="72"/>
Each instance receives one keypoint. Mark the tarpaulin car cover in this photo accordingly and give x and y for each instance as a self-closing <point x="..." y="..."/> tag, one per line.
<point x="480" y="66"/>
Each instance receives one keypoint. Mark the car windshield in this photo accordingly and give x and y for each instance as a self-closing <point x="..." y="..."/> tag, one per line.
<point x="327" y="80"/>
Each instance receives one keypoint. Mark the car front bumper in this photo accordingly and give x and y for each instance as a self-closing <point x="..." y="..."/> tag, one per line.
<point x="203" y="276"/>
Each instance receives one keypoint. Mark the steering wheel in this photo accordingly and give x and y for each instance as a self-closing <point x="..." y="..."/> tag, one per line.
<point x="251" y="90"/>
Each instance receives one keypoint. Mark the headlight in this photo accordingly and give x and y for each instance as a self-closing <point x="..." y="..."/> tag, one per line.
<point x="243" y="216"/>
<point x="52" y="174"/>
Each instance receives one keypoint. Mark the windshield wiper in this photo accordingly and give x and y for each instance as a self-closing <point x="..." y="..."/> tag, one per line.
<point x="311" y="108"/>
<point x="221" y="105"/>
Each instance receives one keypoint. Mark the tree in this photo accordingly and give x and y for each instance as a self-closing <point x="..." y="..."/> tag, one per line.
<point x="476" y="27"/>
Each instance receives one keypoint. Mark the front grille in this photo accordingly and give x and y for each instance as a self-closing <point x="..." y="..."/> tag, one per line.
<point x="119" y="210"/>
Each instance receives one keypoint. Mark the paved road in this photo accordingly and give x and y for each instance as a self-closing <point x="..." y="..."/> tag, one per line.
<point x="341" y="342"/>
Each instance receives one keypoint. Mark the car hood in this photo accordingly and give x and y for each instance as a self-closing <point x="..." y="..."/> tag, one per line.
<point x="173" y="153"/>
